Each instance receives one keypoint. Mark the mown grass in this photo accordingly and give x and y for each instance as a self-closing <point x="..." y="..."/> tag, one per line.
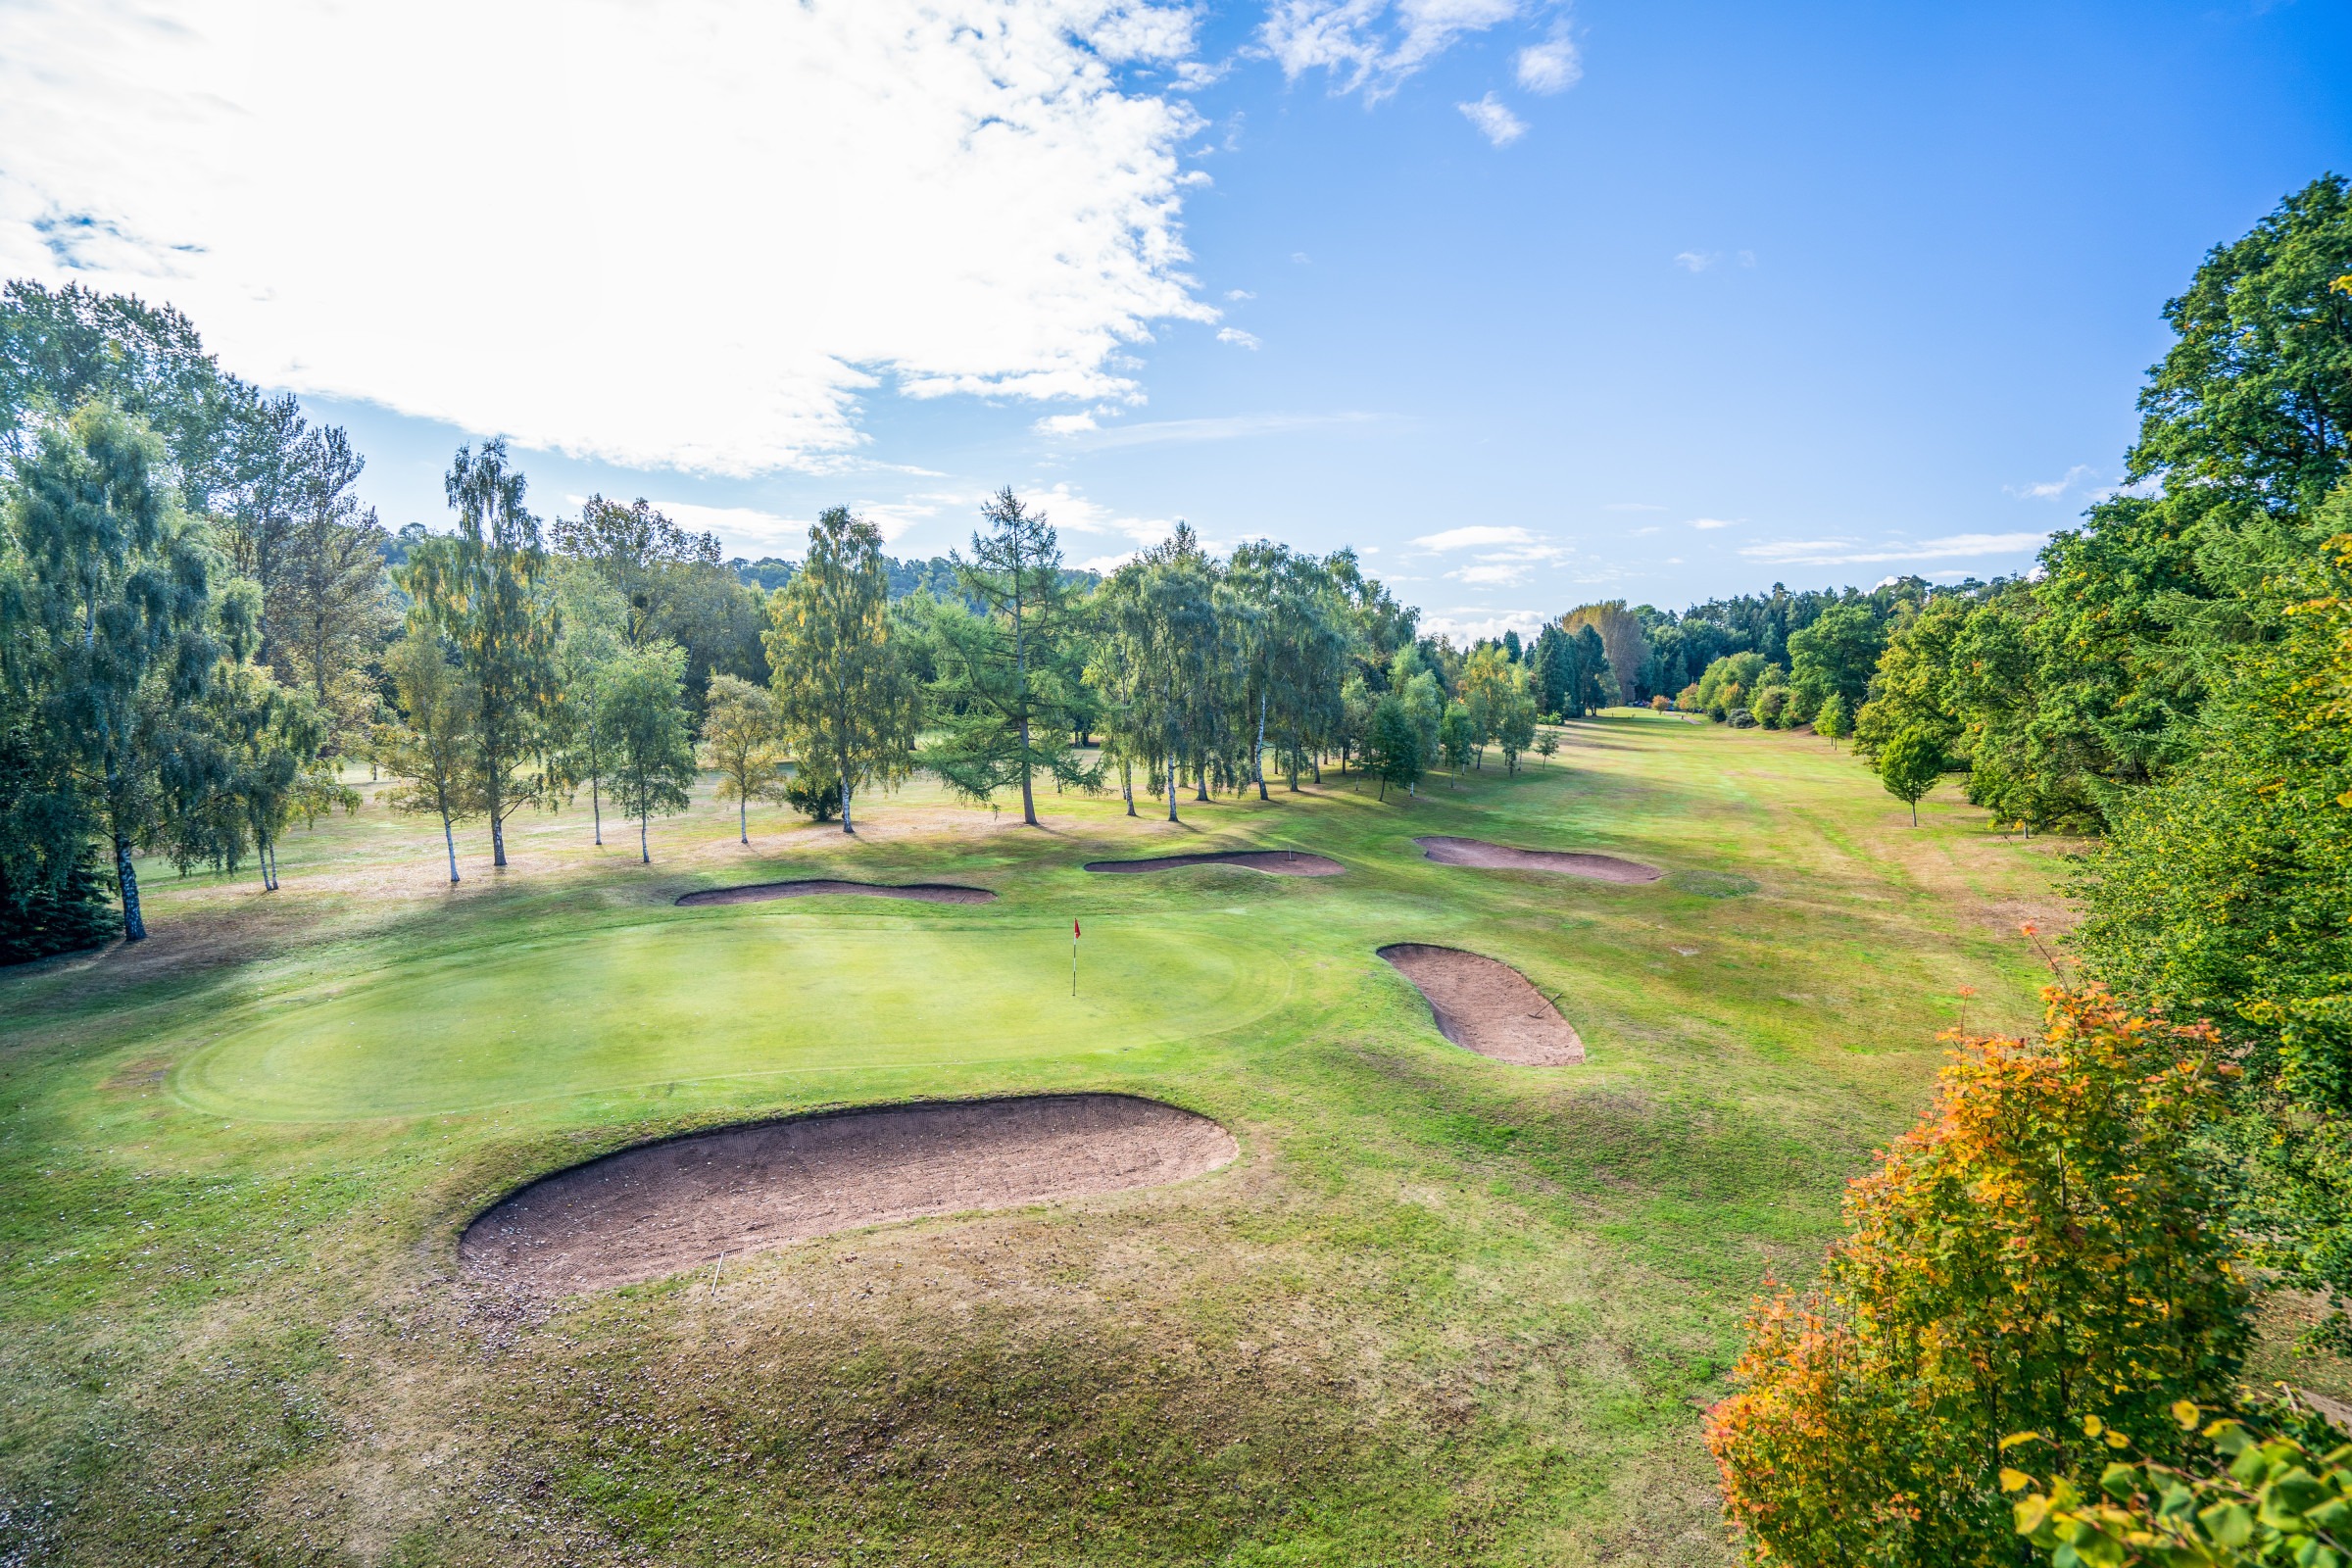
<point x="1443" y="1310"/>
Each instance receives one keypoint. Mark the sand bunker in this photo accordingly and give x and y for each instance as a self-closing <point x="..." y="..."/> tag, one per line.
<point x="1275" y="862"/>
<point x="757" y="891"/>
<point x="1487" y="1006"/>
<point x="1502" y="857"/>
<point x="663" y="1209"/>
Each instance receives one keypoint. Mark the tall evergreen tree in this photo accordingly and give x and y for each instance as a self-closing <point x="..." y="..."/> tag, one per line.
<point x="1008" y="693"/>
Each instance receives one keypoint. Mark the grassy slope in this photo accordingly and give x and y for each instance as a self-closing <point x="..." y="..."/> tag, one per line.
<point x="1444" y="1309"/>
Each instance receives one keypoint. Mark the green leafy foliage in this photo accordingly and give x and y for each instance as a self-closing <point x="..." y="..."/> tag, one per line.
<point x="2269" y="1488"/>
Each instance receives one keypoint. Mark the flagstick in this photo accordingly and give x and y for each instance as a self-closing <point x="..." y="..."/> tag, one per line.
<point x="1073" y="960"/>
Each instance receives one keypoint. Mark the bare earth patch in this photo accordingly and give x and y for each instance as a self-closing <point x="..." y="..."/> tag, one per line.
<point x="1275" y="862"/>
<point x="759" y="892"/>
<point x="661" y="1209"/>
<point x="1502" y="857"/>
<point x="1487" y="1006"/>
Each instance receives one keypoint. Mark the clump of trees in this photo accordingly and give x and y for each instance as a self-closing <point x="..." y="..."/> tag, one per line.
<point x="2177" y="684"/>
<point x="2041" y="1253"/>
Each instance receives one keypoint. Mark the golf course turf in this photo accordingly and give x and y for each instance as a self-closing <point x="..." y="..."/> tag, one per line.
<point x="1441" y="1308"/>
<point x="682" y="1202"/>
<point x="1274" y="862"/>
<point x="810" y="887"/>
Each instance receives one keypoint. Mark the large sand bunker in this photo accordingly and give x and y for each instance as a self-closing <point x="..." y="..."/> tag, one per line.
<point x="757" y="891"/>
<point x="1487" y="1006"/>
<point x="1275" y="862"/>
<point x="1502" y="857"/>
<point x="661" y="1209"/>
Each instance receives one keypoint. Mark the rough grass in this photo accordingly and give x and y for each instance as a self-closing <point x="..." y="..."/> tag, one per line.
<point x="1443" y="1310"/>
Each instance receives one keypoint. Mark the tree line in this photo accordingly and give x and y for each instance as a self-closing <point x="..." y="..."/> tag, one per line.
<point x="2027" y="1345"/>
<point x="206" y="632"/>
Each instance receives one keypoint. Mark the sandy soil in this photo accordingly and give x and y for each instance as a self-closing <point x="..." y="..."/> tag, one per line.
<point x="757" y="891"/>
<point x="1275" y="862"/>
<point x="663" y="1209"/>
<point x="1500" y="857"/>
<point x="1487" y="1006"/>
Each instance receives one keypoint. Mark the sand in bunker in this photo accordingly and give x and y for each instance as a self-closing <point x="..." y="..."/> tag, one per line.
<point x="1487" y="1006"/>
<point x="1502" y="857"/>
<point x="661" y="1209"/>
<point x="1276" y="863"/>
<point x="927" y="891"/>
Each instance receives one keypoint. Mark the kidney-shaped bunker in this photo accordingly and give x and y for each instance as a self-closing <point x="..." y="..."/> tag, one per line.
<point x="659" y="1209"/>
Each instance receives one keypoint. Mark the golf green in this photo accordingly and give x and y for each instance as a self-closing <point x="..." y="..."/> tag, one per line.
<point x="710" y="995"/>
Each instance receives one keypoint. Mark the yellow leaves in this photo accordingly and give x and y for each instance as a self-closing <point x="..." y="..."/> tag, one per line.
<point x="2015" y="1480"/>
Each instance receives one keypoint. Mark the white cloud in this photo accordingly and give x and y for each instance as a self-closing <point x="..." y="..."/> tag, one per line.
<point x="741" y="530"/>
<point x="1072" y="513"/>
<point x="1494" y="574"/>
<point x="1239" y="294"/>
<point x="1470" y="625"/>
<point x="1847" y="551"/>
<point x="1550" y="66"/>
<point x="695" y="234"/>
<point x="1237" y="337"/>
<point x="1713" y="522"/>
<point x="2052" y="489"/>
<point x="1474" y="535"/>
<point x="1697" y="260"/>
<point x="1066" y="425"/>
<point x="1372" y="44"/>
<point x="1228" y="427"/>
<point x="1299" y="258"/>
<point x="1494" y="121"/>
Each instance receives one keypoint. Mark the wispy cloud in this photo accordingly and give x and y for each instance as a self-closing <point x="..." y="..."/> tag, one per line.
<point x="1551" y="65"/>
<point x="1714" y="522"/>
<point x="1707" y="260"/>
<point x="2053" y="489"/>
<point x="741" y="530"/>
<point x="1231" y="427"/>
<point x="1473" y="535"/>
<point x="1372" y="44"/>
<point x="1847" y="552"/>
<point x="1066" y="425"/>
<point x="1494" y="121"/>
<point x="1237" y="337"/>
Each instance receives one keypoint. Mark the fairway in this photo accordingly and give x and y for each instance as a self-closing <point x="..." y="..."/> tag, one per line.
<point x="698" y="997"/>
<point x="1441" y="1308"/>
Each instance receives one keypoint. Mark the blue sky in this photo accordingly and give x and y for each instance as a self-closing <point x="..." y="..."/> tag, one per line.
<point x="1532" y="303"/>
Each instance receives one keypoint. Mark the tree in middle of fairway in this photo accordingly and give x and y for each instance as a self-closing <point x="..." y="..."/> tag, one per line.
<point x="1008" y="695"/>
<point x="639" y="710"/>
<point x="848" y="706"/>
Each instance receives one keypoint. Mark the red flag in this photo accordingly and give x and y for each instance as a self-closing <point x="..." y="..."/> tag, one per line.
<point x="1073" y="930"/>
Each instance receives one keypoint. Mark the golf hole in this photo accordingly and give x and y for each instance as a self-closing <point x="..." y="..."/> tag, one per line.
<point x="666" y="1208"/>
<point x="1487" y="1006"/>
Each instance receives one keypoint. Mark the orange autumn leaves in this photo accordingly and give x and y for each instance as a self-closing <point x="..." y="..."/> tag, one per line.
<point x="2042" y="1248"/>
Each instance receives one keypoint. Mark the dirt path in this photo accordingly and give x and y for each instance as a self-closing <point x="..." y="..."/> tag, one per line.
<point x="663" y="1209"/>
<point x="1487" y="1006"/>
<point x="759" y="892"/>
<point x="1502" y="857"/>
<point x="1274" y="862"/>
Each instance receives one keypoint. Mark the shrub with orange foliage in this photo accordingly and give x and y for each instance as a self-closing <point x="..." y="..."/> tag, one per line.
<point x="2044" y="1247"/>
